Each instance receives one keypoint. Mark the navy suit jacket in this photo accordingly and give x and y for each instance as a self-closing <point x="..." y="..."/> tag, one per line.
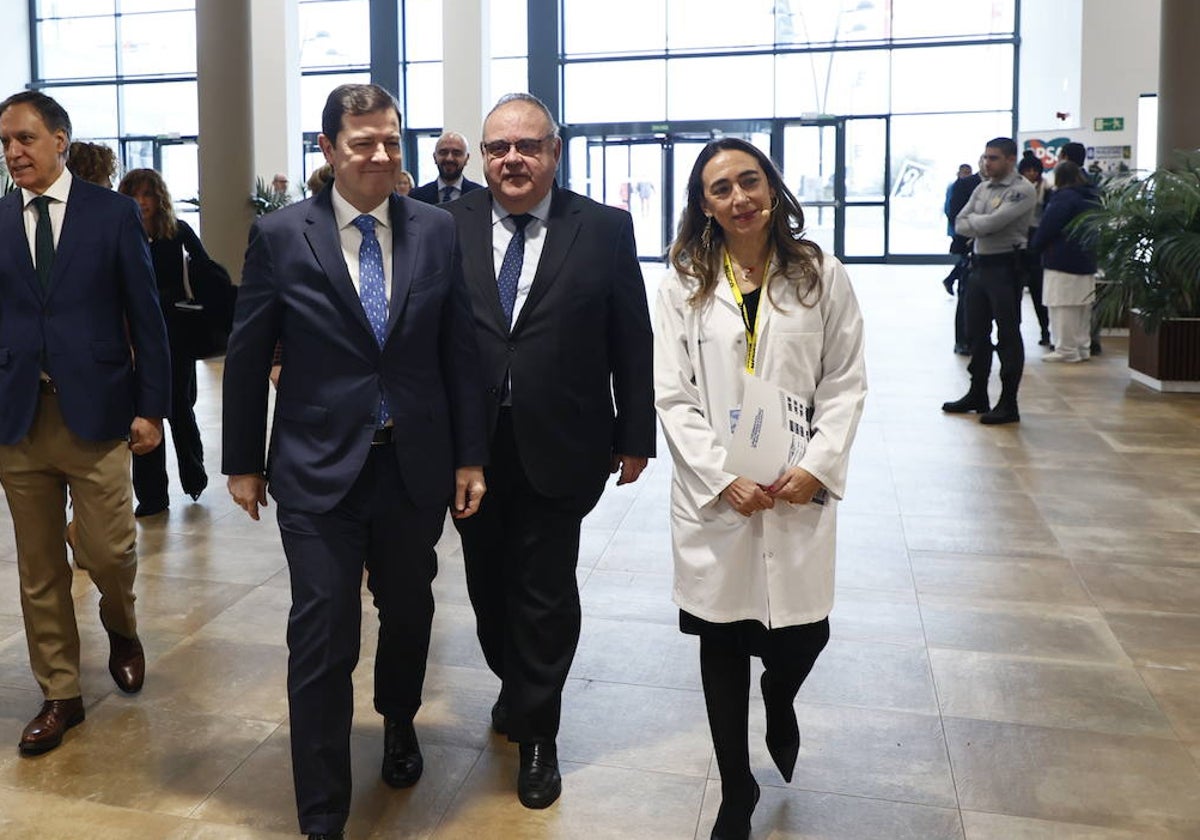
<point x="431" y="193"/>
<point x="581" y="350"/>
<point x="101" y="299"/>
<point x="297" y="290"/>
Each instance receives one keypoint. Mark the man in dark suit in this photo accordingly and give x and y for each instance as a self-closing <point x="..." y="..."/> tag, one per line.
<point x="378" y="426"/>
<point x="560" y="310"/>
<point x="450" y="156"/>
<point x="957" y="196"/>
<point x="77" y="291"/>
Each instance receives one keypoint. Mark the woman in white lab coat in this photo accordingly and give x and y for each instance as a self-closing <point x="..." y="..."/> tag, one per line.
<point x="748" y="295"/>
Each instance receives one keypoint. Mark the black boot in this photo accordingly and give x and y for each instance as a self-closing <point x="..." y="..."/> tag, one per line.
<point x="789" y="658"/>
<point x="975" y="399"/>
<point x="725" y="673"/>
<point x="1004" y="412"/>
<point x="783" y="733"/>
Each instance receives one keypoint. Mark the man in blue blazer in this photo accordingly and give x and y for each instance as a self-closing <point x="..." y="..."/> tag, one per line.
<point x="378" y="426"/>
<point x="77" y="294"/>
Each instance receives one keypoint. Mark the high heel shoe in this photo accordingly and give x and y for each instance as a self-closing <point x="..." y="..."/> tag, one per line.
<point x="783" y="733"/>
<point x="733" y="817"/>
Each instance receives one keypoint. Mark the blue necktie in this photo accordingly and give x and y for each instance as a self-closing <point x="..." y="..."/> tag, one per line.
<point x="447" y="194"/>
<point x="510" y="268"/>
<point x="371" y="289"/>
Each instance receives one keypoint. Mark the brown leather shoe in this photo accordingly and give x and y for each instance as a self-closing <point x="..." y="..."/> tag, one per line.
<point x="45" y="732"/>
<point x="126" y="662"/>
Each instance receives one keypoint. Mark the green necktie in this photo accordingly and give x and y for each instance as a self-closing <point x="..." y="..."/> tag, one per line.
<point x="43" y="241"/>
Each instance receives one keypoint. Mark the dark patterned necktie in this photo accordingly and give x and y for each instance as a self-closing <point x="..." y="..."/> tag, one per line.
<point x="371" y="289"/>
<point x="510" y="267"/>
<point x="43" y="241"/>
<point x="447" y="194"/>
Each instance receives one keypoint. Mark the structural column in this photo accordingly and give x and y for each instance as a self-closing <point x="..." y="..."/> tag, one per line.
<point x="275" y="33"/>
<point x="466" y="73"/>
<point x="1178" y="70"/>
<point x="225" y="87"/>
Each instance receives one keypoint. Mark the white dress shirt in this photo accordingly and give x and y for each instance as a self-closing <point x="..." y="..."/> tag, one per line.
<point x="57" y="193"/>
<point x="351" y="239"/>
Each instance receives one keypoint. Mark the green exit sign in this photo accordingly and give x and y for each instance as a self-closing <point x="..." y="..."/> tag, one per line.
<point x="1108" y="124"/>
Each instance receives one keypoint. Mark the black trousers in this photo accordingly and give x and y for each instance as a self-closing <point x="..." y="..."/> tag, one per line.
<point x="377" y="526"/>
<point x="1034" y="273"/>
<point x="150" y="470"/>
<point x="994" y="294"/>
<point x="521" y="550"/>
<point x="962" y="338"/>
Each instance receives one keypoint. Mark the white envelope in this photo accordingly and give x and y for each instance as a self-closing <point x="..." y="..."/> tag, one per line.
<point x="772" y="432"/>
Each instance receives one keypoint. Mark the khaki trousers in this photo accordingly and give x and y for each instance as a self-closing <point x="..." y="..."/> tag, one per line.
<point x="36" y="474"/>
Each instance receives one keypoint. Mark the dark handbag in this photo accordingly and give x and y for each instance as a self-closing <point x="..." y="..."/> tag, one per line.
<point x="202" y="323"/>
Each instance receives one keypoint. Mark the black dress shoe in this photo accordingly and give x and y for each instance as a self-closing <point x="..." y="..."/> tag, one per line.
<point x="195" y="488"/>
<point x="733" y="817"/>
<point x="783" y="734"/>
<point x="1002" y="413"/>
<point x="500" y="716"/>
<point x="402" y="761"/>
<point x="126" y="662"/>
<point x="948" y="285"/>
<point x="45" y="732"/>
<point x="150" y="508"/>
<point x="971" y="402"/>
<point x="538" y="782"/>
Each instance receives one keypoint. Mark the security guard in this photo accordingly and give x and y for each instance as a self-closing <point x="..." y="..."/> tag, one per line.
<point x="997" y="216"/>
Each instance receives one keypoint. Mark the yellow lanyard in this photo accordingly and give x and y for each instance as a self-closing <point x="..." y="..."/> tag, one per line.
<point x="751" y="328"/>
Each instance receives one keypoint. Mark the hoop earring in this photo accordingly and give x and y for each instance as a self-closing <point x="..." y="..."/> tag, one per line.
<point x="706" y="235"/>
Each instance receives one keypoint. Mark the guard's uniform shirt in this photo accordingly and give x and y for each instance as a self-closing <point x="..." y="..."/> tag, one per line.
<point x="998" y="215"/>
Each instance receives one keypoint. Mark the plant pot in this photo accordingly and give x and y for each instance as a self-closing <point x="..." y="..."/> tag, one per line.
<point x="1169" y="359"/>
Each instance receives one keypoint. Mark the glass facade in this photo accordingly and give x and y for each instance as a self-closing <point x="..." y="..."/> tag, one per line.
<point x="868" y="105"/>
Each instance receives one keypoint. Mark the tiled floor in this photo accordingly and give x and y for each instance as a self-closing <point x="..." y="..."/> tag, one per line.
<point x="1015" y="654"/>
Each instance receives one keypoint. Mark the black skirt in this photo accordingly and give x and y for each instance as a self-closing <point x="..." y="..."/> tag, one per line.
<point x="750" y="635"/>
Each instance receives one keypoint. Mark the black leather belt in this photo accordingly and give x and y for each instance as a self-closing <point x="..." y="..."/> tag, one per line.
<point x="1004" y="258"/>
<point x="382" y="436"/>
<point x="47" y="386"/>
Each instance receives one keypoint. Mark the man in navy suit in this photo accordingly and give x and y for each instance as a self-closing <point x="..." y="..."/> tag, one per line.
<point x="564" y="335"/>
<point x="450" y="156"/>
<point x="77" y="292"/>
<point x="379" y="425"/>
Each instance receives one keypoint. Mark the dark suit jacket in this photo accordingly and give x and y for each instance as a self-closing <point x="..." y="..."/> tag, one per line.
<point x="76" y="329"/>
<point x="296" y="289"/>
<point x="431" y="194"/>
<point x="581" y="341"/>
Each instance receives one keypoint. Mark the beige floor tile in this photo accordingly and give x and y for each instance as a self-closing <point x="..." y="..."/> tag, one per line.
<point x="1178" y="695"/>
<point x="871" y="615"/>
<point x="597" y="803"/>
<point x="872" y="675"/>
<point x="214" y="556"/>
<point x="873" y="567"/>
<point x="980" y="826"/>
<point x="638" y="551"/>
<point x="958" y="534"/>
<point x="661" y="730"/>
<point x="637" y="653"/>
<point x="1117" y="781"/>
<point x="984" y="579"/>
<point x="1120" y="513"/>
<point x="784" y="814"/>
<point x="1158" y="640"/>
<point x="456" y="706"/>
<point x="1097" y="698"/>
<point x="629" y="596"/>
<point x="1116" y="586"/>
<point x="260" y="792"/>
<point x="1131" y="545"/>
<point x="1074" y="483"/>
<point x="1075" y="633"/>
<point x="134" y="755"/>
<point x="871" y="753"/>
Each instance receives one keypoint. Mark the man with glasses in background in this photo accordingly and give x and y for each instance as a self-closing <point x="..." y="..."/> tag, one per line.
<point x="564" y="330"/>
<point x="450" y="156"/>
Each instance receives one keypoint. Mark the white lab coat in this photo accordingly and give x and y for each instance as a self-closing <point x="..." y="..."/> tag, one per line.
<point x="776" y="566"/>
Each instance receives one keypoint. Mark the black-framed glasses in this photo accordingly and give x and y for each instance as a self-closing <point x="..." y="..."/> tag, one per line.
<point x="526" y="146"/>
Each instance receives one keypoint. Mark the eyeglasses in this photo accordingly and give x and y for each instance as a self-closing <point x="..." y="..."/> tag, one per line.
<point x="526" y="146"/>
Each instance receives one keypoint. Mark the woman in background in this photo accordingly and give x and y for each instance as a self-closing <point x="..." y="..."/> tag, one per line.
<point x="93" y="162"/>
<point x="750" y="296"/>
<point x="1070" y="268"/>
<point x="1030" y="168"/>
<point x="169" y="238"/>
<point x="404" y="182"/>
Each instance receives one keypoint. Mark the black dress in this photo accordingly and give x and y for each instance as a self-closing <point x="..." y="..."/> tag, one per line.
<point x="150" y="470"/>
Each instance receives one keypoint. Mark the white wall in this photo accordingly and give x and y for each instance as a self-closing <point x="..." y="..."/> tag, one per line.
<point x="276" y="61"/>
<point x="1118" y="63"/>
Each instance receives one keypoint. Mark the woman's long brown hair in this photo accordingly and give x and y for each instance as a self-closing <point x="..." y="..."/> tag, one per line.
<point x="163" y="225"/>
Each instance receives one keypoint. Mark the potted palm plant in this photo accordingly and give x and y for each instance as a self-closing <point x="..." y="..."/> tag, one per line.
<point x="1146" y="235"/>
